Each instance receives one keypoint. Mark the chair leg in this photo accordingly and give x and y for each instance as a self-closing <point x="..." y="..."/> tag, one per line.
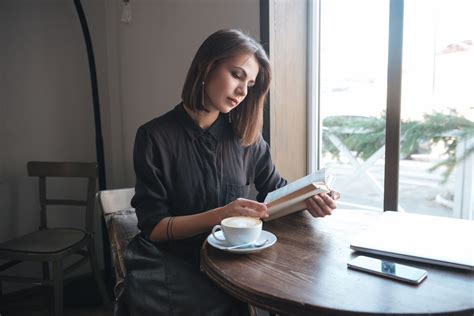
<point x="58" y="288"/>
<point x="95" y="270"/>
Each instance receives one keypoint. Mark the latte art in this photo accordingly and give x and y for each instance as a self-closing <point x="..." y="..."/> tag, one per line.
<point x="241" y="221"/>
<point x="238" y="230"/>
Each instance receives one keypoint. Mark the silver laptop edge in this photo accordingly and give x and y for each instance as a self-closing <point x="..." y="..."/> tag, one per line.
<point x="408" y="257"/>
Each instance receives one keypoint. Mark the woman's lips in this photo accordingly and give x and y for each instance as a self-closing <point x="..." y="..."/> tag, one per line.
<point x="233" y="101"/>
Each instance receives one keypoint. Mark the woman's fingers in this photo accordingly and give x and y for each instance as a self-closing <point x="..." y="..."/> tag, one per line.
<point x="259" y="207"/>
<point x="329" y="200"/>
<point x="320" y="205"/>
<point x="314" y="208"/>
<point x="245" y="211"/>
<point x="246" y="207"/>
<point x="323" y="203"/>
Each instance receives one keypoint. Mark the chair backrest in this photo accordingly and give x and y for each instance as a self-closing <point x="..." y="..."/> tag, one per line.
<point x="121" y="222"/>
<point x="43" y="170"/>
<point x="112" y="201"/>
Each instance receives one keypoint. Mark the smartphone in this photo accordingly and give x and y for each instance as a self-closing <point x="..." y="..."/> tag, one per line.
<point x="388" y="269"/>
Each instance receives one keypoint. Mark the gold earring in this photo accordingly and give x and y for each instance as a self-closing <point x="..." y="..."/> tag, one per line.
<point x="202" y="94"/>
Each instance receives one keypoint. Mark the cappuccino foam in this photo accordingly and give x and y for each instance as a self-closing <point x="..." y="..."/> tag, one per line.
<point x="241" y="221"/>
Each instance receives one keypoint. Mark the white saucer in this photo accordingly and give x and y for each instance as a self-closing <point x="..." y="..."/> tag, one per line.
<point x="222" y="245"/>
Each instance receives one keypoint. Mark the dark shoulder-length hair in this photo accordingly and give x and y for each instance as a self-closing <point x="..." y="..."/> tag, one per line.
<point x="247" y="117"/>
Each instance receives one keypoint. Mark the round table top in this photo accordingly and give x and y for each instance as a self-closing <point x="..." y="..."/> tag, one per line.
<point x="306" y="272"/>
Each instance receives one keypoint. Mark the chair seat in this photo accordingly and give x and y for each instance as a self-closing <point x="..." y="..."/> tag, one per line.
<point x="45" y="241"/>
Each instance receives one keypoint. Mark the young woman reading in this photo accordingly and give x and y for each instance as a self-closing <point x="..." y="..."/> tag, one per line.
<point x="194" y="166"/>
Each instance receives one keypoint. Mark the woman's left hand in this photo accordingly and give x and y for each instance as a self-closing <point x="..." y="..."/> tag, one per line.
<point x="322" y="204"/>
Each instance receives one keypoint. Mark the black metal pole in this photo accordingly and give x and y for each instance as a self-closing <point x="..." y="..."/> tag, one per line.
<point x="95" y="95"/>
<point x="99" y="144"/>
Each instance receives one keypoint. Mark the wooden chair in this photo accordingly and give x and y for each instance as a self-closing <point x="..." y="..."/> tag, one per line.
<point x="121" y="222"/>
<point x="53" y="245"/>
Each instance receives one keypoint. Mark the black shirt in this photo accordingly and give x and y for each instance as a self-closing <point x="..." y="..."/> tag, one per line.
<point x="182" y="169"/>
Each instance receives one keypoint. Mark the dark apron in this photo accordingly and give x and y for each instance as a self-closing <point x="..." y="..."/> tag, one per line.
<point x="160" y="283"/>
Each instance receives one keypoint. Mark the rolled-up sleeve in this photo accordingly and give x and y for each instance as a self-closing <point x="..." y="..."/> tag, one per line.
<point x="267" y="177"/>
<point x="151" y="196"/>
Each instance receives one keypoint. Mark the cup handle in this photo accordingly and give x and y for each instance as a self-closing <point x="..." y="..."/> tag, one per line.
<point x="214" y="230"/>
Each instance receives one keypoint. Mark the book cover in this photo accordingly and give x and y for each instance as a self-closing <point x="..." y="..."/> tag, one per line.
<point x="291" y="198"/>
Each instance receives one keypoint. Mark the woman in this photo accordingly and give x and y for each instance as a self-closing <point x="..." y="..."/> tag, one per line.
<point x="194" y="166"/>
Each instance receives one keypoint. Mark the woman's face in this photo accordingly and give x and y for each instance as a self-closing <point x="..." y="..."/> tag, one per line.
<point x="229" y="82"/>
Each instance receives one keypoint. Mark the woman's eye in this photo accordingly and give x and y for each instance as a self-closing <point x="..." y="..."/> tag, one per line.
<point x="235" y="75"/>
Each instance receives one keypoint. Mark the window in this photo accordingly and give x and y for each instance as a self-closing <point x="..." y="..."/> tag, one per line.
<point x="349" y="92"/>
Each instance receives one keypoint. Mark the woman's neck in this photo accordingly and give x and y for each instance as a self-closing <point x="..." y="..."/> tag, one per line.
<point x="202" y="118"/>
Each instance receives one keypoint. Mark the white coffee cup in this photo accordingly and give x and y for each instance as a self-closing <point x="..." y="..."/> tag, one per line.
<point x="238" y="230"/>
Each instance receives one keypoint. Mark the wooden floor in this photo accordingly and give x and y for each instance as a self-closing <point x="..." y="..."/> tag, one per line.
<point x="38" y="302"/>
<point x="27" y="309"/>
<point x="96" y="311"/>
<point x="67" y="312"/>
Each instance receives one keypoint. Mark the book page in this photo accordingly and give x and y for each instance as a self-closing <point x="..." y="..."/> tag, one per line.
<point x="320" y="176"/>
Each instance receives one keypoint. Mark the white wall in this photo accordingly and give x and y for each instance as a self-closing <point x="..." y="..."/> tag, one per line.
<point x="46" y="107"/>
<point x="45" y="97"/>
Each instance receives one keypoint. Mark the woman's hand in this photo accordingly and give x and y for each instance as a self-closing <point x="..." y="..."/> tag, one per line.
<point x="322" y="204"/>
<point x="244" y="207"/>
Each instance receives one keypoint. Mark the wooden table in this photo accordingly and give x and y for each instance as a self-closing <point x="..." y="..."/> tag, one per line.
<point x="306" y="272"/>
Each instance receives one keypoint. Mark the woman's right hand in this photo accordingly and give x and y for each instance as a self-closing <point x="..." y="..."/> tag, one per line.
<point x="244" y="207"/>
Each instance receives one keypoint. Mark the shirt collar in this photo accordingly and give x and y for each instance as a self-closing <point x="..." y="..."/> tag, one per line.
<point x="216" y="130"/>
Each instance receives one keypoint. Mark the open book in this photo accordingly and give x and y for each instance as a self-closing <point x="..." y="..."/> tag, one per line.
<point x="291" y="198"/>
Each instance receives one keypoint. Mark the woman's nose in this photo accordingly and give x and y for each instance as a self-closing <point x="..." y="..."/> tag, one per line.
<point x="242" y="89"/>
